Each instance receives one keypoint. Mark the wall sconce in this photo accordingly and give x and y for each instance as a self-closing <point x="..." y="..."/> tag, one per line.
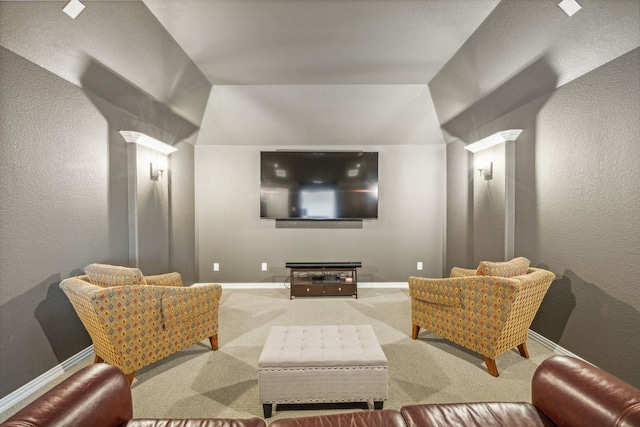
<point x="486" y="170"/>
<point x="147" y="141"/>
<point x="495" y="139"/>
<point x="155" y="172"/>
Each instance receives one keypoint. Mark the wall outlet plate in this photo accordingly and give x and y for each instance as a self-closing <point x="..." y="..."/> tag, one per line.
<point x="264" y="266"/>
<point x="419" y="265"/>
<point x="216" y="266"/>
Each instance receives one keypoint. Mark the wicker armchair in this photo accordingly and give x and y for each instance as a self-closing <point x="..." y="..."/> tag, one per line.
<point x="135" y="320"/>
<point x="488" y="310"/>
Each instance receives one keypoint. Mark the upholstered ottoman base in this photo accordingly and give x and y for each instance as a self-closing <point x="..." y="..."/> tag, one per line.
<point x="319" y="364"/>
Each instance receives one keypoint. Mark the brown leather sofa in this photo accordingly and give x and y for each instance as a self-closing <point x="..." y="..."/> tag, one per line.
<point x="100" y="396"/>
<point x="565" y="392"/>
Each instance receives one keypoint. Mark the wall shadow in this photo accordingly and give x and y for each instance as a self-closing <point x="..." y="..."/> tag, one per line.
<point x="514" y="104"/>
<point x="54" y="319"/>
<point x="150" y="116"/>
<point x="555" y="310"/>
<point x="53" y="312"/>
<point x="615" y="324"/>
<point x="126" y="107"/>
<point x="535" y="80"/>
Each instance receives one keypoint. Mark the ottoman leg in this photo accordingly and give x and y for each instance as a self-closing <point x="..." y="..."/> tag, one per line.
<point x="378" y="405"/>
<point x="266" y="408"/>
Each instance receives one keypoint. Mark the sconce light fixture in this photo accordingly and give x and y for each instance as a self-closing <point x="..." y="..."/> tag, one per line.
<point x="495" y="139"/>
<point x="147" y="141"/>
<point x="73" y="8"/>
<point x="486" y="170"/>
<point x="155" y="172"/>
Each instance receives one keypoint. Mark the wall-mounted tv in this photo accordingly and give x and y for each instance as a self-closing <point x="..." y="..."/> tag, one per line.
<point x="319" y="185"/>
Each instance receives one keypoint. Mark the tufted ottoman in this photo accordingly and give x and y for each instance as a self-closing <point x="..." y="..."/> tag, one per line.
<point x="317" y="364"/>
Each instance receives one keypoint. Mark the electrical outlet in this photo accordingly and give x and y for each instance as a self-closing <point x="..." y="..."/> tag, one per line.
<point x="264" y="266"/>
<point x="216" y="266"/>
<point x="419" y="266"/>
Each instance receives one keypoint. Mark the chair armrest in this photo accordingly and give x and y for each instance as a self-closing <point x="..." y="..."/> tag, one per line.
<point x="191" y="301"/>
<point x="437" y="291"/>
<point x="168" y="279"/>
<point x="461" y="272"/>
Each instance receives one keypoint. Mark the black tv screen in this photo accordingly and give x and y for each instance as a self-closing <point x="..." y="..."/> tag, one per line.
<point x="319" y="185"/>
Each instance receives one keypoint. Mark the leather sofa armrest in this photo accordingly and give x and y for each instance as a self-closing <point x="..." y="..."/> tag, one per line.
<point x="573" y="392"/>
<point x="197" y="422"/>
<point x="98" y="395"/>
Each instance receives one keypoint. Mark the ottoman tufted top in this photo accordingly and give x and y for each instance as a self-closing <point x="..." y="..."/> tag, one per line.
<point x="321" y="346"/>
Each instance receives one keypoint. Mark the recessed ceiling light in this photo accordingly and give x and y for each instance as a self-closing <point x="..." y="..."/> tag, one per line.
<point x="569" y="6"/>
<point x="73" y="8"/>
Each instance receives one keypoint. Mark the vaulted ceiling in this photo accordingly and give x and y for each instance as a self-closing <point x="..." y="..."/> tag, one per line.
<point x="319" y="42"/>
<point x="320" y="72"/>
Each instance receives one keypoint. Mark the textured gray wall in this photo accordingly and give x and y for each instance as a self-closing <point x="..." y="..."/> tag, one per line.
<point x="410" y="227"/>
<point x="62" y="208"/>
<point x="581" y="221"/>
<point x="459" y="234"/>
<point x="182" y="232"/>
<point x="489" y="207"/>
<point x="577" y="167"/>
<point x="66" y="88"/>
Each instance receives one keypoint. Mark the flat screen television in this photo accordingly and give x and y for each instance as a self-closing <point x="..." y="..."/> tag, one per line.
<point x="319" y="185"/>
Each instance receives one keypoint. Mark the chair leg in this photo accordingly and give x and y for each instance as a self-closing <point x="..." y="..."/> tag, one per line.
<point x="415" y="329"/>
<point x="491" y="366"/>
<point x="130" y="377"/>
<point x="522" y="348"/>
<point x="214" y="342"/>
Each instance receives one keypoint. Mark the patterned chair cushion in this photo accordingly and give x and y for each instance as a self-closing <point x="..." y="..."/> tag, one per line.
<point x="110" y="275"/>
<point x="516" y="267"/>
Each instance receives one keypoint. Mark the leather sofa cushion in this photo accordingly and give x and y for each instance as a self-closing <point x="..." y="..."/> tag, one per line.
<point x="382" y="418"/>
<point x="515" y="267"/>
<point x="219" y="422"/>
<point x="495" y="414"/>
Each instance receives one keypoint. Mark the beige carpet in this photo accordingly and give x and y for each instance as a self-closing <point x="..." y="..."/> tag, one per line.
<point x="200" y="383"/>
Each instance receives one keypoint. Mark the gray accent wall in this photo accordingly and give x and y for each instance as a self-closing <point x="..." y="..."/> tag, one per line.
<point x="230" y="232"/>
<point x="64" y="205"/>
<point x="577" y="163"/>
<point x="66" y="88"/>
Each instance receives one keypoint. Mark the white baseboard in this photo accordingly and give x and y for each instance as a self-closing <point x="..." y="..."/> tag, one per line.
<point x="276" y="285"/>
<point x="552" y="346"/>
<point x="31" y="387"/>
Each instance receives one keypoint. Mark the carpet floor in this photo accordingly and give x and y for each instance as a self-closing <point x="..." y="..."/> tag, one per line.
<point x="200" y="383"/>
